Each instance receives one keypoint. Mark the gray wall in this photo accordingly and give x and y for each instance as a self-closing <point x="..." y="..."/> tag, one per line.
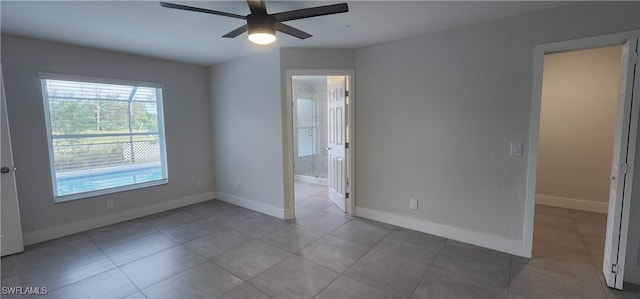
<point x="435" y="115"/>
<point x="314" y="59"/>
<point x="187" y="126"/>
<point x="247" y="131"/>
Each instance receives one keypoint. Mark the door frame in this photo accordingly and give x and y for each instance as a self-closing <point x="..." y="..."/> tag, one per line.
<point x="534" y="128"/>
<point x="287" y="147"/>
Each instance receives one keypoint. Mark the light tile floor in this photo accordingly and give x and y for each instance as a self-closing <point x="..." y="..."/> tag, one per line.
<point x="217" y="250"/>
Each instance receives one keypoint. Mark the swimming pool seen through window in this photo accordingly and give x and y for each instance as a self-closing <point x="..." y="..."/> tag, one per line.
<point x="104" y="135"/>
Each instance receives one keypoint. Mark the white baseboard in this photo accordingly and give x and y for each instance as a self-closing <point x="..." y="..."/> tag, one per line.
<point x="251" y="205"/>
<point x="312" y="180"/>
<point x="92" y="223"/>
<point x="572" y="203"/>
<point x="509" y="246"/>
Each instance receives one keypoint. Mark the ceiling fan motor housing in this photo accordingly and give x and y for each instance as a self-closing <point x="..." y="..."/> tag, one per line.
<point x="261" y="24"/>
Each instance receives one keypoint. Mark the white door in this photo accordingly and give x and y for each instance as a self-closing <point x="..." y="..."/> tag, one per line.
<point x="336" y="98"/>
<point x="619" y="191"/>
<point x="11" y="241"/>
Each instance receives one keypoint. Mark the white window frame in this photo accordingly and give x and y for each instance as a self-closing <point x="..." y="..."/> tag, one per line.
<point x="161" y="135"/>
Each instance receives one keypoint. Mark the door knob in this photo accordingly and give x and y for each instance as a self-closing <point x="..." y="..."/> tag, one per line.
<point x="5" y="169"/>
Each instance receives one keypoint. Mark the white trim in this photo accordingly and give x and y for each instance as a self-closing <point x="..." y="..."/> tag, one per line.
<point x="572" y="203"/>
<point x="509" y="246"/>
<point x="251" y="205"/>
<point x="89" y="79"/>
<point x="96" y="222"/>
<point x="311" y="180"/>
<point x="287" y="136"/>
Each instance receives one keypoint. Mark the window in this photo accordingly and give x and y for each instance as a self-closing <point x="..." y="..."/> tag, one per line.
<point x="104" y="136"/>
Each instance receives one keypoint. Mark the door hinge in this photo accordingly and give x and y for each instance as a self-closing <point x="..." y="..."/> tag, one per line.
<point x="346" y="195"/>
<point x="614" y="268"/>
<point x="625" y="168"/>
<point x="634" y="58"/>
<point x="346" y="145"/>
<point x="346" y="93"/>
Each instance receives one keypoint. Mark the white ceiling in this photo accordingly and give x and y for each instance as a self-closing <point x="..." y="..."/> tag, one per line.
<point x="146" y="28"/>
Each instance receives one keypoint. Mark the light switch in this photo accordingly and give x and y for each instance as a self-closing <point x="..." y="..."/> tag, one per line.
<point x="413" y="203"/>
<point x="516" y="149"/>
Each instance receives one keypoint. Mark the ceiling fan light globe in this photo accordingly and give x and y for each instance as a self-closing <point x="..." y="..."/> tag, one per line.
<point x="262" y="38"/>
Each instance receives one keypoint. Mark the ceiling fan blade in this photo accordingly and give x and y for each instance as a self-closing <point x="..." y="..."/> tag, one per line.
<point x="311" y="12"/>
<point x="203" y="10"/>
<point x="257" y="7"/>
<point x="240" y="30"/>
<point x="292" y="31"/>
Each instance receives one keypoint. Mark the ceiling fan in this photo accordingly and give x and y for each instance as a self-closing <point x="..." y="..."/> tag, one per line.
<point x="261" y="25"/>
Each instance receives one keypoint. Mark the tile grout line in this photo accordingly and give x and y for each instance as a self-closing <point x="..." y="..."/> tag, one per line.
<point x="171" y="276"/>
<point x="116" y="266"/>
<point x="603" y="285"/>
<point x="313" y="262"/>
<point x="372" y="248"/>
<point x="91" y="276"/>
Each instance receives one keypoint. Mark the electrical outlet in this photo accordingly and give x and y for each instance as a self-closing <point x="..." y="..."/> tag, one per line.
<point x="515" y="149"/>
<point x="110" y="204"/>
<point x="198" y="183"/>
<point x="413" y="204"/>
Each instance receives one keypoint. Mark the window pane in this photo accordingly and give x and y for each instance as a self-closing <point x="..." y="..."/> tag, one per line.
<point x="105" y="178"/>
<point x="145" y="94"/>
<point x="145" y="149"/>
<point x="144" y="117"/>
<point x="87" y="91"/>
<point x="71" y="116"/>
<point x="103" y="137"/>
<point x="89" y="153"/>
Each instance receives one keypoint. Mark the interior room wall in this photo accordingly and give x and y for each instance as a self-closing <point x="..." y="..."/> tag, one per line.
<point x="187" y="130"/>
<point x="247" y="132"/>
<point x="436" y="114"/>
<point x="577" y="122"/>
<point x="314" y="59"/>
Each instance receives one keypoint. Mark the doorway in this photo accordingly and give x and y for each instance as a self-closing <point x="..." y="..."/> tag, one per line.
<point x="577" y="239"/>
<point x="310" y="143"/>
<point x="577" y="126"/>
<point x="319" y="114"/>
